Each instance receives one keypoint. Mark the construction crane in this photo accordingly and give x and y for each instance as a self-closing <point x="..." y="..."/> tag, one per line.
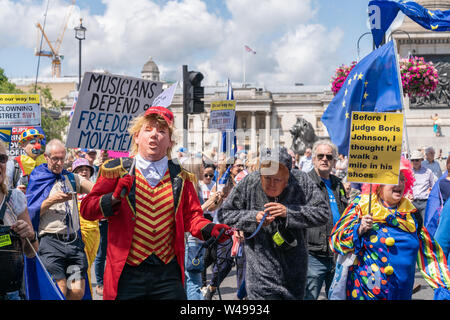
<point x="54" y="49"/>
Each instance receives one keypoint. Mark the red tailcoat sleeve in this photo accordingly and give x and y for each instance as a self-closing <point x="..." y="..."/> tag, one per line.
<point x="97" y="204"/>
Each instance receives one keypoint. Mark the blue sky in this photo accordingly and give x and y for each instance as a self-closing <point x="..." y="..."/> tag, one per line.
<point x="296" y="41"/>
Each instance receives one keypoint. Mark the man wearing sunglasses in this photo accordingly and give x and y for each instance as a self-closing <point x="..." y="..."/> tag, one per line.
<point x="321" y="259"/>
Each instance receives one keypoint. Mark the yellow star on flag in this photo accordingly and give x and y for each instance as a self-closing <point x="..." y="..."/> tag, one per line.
<point x="343" y="103"/>
<point x="430" y="13"/>
<point x="360" y="76"/>
<point x="434" y="27"/>
<point x="366" y="95"/>
<point x="347" y="115"/>
<point x="349" y="81"/>
<point x="346" y="91"/>
<point x="365" y="84"/>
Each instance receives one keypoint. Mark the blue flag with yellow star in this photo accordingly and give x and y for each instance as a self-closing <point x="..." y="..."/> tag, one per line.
<point x="373" y="85"/>
<point x="383" y="12"/>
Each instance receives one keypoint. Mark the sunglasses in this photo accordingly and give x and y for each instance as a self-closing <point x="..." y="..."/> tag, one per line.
<point x="3" y="158"/>
<point x="414" y="160"/>
<point x="208" y="175"/>
<point x="328" y="156"/>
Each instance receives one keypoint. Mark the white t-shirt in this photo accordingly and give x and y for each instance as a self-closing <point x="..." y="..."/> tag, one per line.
<point x="18" y="202"/>
<point x="306" y="163"/>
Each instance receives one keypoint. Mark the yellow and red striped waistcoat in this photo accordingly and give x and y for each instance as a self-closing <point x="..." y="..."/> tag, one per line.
<point x="154" y="231"/>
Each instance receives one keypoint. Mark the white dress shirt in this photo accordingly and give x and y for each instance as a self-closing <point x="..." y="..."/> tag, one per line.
<point x="153" y="171"/>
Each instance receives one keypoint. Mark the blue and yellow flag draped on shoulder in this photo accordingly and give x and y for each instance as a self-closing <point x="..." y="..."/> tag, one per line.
<point x="383" y="12"/>
<point x="39" y="283"/>
<point x="372" y="85"/>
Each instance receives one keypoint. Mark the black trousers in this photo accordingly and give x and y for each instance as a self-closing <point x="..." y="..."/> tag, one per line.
<point x="151" y="280"/>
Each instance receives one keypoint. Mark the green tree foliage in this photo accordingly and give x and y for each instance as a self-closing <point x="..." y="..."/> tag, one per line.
<point x="53" y="122"/>
<point x="6" y="86"/>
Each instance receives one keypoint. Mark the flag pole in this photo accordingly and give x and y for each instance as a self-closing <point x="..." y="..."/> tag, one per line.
<point x="243" y="66"/>
<point x="399" y="76"/>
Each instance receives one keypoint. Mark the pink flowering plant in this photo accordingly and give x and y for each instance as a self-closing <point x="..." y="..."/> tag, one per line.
<point x="419" y="78"/>
<point x="339" y="78"/>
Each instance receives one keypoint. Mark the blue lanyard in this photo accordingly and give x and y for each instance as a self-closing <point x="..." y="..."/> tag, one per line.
<point x="68" y="216"/>
<point x="260" y="223"/>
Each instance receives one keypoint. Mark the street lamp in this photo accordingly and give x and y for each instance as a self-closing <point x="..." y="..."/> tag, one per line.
<point x="80" y="34"/>
<point x="202" y="117"/>
<point x="359" y="39"/>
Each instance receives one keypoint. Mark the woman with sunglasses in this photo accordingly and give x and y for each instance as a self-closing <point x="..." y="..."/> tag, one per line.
<point x="387" y="241"/>
<point x="14" y="223"/>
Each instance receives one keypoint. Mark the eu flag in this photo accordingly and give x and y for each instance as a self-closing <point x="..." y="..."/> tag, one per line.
<point x="373" y="85"/>
<point x="383" y="12"/>
<point x="229" y="137"/>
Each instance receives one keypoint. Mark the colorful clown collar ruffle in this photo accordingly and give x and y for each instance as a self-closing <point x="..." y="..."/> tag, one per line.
<point x="28" y="163"/>
<point x="400" y="217"/>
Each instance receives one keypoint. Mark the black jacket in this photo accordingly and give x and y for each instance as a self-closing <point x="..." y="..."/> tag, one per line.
<point x="318" y="236"/>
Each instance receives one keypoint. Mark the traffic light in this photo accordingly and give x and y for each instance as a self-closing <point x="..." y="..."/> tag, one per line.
<point x="193" y="91"/>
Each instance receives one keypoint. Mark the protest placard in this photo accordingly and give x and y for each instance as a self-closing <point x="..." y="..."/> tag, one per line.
<point x="375" y="147"/>
<point x="19" y="110"/>
<point x="106" y="104"/>
<point x="222" y="115"/>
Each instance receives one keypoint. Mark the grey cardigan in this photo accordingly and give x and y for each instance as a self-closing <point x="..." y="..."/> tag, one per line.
<point x="271" y="272"/>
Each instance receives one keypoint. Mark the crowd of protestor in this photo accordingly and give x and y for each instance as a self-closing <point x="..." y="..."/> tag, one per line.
<point x="288" y="221"/>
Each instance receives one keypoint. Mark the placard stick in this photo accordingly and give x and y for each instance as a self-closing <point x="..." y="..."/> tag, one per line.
<point x="370" y="200"/>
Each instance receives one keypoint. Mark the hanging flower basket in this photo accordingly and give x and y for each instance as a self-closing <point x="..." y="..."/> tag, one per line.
<point x="419" y="78"/>
<point x="339" y="78"/>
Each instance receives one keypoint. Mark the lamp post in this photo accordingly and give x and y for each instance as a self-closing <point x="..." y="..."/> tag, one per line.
<point x="202" y="117"/>
<point x="80" y="34"/>
<point x="359" y="39"/>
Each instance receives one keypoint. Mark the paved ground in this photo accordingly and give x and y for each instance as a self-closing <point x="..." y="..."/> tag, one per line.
<point x="228" y="288"/>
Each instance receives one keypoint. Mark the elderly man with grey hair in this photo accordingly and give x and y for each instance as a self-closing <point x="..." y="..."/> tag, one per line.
<point x="53" y="209"/>
<point x="430" y="163"/>
<point x="321" y="262"/>
<point x="274" y="206"/>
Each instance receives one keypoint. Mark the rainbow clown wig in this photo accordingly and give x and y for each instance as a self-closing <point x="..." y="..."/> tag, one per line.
<point x="405" y="169"/>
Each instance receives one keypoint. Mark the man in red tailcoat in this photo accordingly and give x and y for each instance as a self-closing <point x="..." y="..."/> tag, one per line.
<point x="150" y="202"/>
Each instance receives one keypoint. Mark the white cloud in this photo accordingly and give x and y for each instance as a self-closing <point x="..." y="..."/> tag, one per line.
<point x="305" y="54"/>
<point x="289" y="47"/>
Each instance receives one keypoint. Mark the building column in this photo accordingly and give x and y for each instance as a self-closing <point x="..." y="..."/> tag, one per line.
<point x="268" y="142"/>
<point x="253" y="143"/>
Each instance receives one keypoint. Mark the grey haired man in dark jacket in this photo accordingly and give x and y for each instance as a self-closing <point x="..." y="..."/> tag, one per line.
<point x="321" y="262"/>
<point x="287" y="202"/>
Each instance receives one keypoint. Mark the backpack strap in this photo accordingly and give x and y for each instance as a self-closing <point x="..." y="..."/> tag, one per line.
<point x="17" y="173"/>
<point x="3" y="208"/>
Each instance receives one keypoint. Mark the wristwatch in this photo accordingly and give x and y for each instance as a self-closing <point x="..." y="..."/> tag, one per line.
<point x="34" y="239"/>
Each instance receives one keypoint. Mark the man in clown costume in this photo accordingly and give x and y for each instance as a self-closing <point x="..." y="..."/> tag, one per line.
<point x="150" y="202"/>
<point x="19" y="170"/>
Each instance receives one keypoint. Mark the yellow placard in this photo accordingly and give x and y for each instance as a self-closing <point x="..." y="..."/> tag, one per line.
<point x="223" y="105"/>
<point x="19" y="98"/>
<point x="375" y="147"/>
